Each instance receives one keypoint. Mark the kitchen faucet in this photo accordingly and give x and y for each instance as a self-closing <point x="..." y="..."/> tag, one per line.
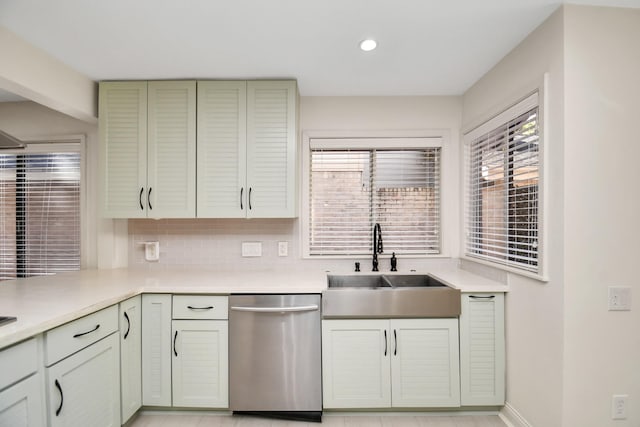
<point x="377" y="245"/>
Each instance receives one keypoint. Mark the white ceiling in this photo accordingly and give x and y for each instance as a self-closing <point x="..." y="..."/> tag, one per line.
<point x="426" y="47"/>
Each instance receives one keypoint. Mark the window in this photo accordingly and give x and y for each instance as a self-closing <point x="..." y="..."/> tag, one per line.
<point x="356" y="183"/>
<point x="502" y="189"/>
<point x="39" y="210"/>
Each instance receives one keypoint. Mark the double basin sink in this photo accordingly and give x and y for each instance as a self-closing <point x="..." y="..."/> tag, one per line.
<point x="387" y="296"/>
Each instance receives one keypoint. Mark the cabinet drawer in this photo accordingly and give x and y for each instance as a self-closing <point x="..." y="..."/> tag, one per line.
<point x="23" y="360"/>
<point x="76" y="335"/>
<point x="200" y="307"/>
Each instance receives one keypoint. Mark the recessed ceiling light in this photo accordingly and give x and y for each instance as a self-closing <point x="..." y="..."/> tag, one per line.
<point x="368" y="45"/>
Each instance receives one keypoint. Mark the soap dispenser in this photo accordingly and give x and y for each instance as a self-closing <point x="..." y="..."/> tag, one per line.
<point x="394" y="262"/>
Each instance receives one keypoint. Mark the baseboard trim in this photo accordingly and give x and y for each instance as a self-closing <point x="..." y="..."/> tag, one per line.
<point x="512" y="417"/>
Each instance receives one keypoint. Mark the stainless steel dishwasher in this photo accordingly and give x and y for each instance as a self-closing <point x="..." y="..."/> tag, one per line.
<point x="275" y="356"/>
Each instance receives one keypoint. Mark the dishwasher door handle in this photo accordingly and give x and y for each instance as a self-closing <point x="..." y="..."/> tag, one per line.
<point x="276" y="309"/>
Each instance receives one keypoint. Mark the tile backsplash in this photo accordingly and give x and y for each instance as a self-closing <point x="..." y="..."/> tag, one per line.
<point x="218" y="243"/>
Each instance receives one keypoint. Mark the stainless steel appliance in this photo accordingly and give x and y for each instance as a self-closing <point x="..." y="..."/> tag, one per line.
<point x="275" y="355"/>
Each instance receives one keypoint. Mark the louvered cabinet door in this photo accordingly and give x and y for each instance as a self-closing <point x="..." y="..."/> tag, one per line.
<point x="123" y="149"/>
<point x="222" y="149"/>
<point x="130" y="356"/>
<point x="482" y="349"/>
<point x="355" y="363"/>
<point x="171" y="150"/>
<point x="200" y="363"/>
<point x="271" y="149"/>
<point x="424" y="363"/>
<point x="156" y="350"/>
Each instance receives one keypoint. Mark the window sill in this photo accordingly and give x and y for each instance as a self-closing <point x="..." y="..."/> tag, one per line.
<point x="529" y="274"/>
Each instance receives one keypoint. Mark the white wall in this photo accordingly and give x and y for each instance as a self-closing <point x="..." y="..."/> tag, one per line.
<point x="602" y="209"/>
<point x="534" y="309"/>
<point x="33" y="74"/>
<point x="218" y="242"/>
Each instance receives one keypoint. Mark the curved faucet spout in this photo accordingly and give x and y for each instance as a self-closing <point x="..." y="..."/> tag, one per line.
<point x="377" y="245"/>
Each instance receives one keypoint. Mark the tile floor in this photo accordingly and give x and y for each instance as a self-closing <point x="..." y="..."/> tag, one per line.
<point x="169" y="419"/>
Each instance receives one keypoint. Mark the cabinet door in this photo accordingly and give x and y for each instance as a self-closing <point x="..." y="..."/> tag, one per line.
<point x="156" y="350"/>
<point x="424" y="363"/>
<point x="21" y="404"/>
<point x="271" y="149"/>
<point x="130" y="356"/>
<point x="84" y="388"/>
<point x="355" y="364"/>
<point x="482" y="349"/>
<point x="200" y="363"/>
<point x="123" y="149"/>
<point x="222" y="149"/>
<point x="171" y="150"/>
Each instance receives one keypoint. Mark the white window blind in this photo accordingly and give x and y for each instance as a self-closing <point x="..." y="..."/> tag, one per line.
<point x="39" y="213"/>
<point x="502" y="191"/>
<point x="353" y="189"/>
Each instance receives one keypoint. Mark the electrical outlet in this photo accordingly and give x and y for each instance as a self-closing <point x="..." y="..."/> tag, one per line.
<point x="152" y="251"/>
<point x="619" y="406"/>
<point x="251" y="249"/>
<point x="619" y="298"/>
<point x="283" y="248"/>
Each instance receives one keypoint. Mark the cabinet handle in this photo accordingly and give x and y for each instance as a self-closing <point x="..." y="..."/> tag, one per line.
<point x="482" y="297"/>
<point x="126" y="316"/>
<point x="241" y="192"/>
<point x="149" y="199"/>
<point x="140" y="197"/>
<point x="200" y="308"/>
<point x="395" y="340"/>
<point x="385" y="342"/>
<point x="88" y="332"/>
<point x="174" y="343"/>
<point x="61" y="397"/>
<point x="250" y="198"/>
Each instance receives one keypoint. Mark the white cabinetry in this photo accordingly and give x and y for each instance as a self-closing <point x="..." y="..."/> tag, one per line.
<point x="83" y="373"/>
<point x="247" y="136"/>
<point x="156" y="350"/>
<point x="130" y="356"/>
<point x="21" y="403"/>
<point x="390" y="363"/>
<point x="148" y="149"/>
<point x="482" y="349"/>
<point x="200" y="351"/>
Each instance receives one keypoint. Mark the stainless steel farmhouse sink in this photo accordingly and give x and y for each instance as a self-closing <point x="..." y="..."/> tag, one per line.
<point x="368" y="281"/>
<point x="386" y="296"/>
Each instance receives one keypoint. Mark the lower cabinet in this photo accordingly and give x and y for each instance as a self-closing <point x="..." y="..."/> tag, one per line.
<point x="200" y="365"/>
<point x="21" y="404"/>
<point x="390" y="363"/>
<point x="156" y="350"/>
<point x="84" y="388"/>
<point x="185" y="351"/>
<point x="130" y="357"/>
<point x="21" y="397"/>
<point x="482" y="349"/>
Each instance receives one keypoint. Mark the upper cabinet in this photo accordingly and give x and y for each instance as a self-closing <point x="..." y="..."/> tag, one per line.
<point x="246" y="163"/>
<point x="148" y="149"/>
<point x="247" y="133"/>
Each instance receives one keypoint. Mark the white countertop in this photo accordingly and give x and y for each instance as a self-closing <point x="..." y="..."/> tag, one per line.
<point x="42" y="303"/>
